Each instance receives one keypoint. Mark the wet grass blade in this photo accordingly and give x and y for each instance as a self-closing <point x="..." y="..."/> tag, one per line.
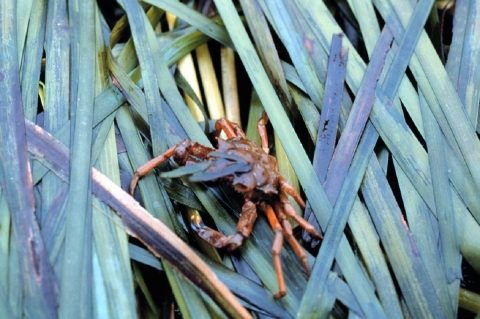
<point x="32" y="59"/>
<point x="401" y="250"/>
<point x="202" y="23"/>
<point x="465" y="52"/>
<point x="76" y="288"/>
<point x="37" y="281"/>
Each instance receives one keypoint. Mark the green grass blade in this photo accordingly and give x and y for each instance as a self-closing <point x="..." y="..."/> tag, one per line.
<point x="282" y="20"/>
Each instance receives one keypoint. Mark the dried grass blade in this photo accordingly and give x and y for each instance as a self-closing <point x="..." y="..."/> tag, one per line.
<point x="38" y="281"/>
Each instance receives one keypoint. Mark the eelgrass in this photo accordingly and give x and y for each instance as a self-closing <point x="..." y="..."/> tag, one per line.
<point x="398" y="201"/>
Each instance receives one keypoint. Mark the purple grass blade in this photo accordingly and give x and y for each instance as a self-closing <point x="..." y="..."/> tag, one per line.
<point x="357" y="119"/>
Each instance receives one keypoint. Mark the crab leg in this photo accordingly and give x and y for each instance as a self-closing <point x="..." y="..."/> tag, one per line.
<point x="290" y="212"/>
<point x="288" y="233"/>
<point x="262" y="131"/>
<point x="150" y="165"/>
<point x="232" y="242"/>
<point x="231" y="129"/>
<point x="276" y="249"/>
<point x="287" y="188"/>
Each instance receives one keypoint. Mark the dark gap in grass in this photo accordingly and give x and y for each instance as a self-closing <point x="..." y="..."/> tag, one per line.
<point x="393" y="182"/>
<point x="111" y="10"/>
<point x="413" y="128"/>
<point x="159" y="289"/>
<point x="349" y="24"/>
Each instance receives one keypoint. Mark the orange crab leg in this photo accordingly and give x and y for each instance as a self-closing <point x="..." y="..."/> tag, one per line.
<point x="232" y="242"/>
<point x="262" y="131"/>
<point x="290" y="212"/>
<point x="276" y="249"/>
<point x="150" y="165"/>
<point x="288" y="233"/>
<point x="231" y="129"/>
<point x="287" y="188"/>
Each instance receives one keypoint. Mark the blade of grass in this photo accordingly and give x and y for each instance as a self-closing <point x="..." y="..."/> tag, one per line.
<point x="76" y="285"/>
<point x="280" y="17"/>
<point x="110" y="240"/>
<point x="464" y="52"/>
<point x="24" y="10"/>
<point x="32" y="59"/>
<point x="146" y="47"/>
<point x="315" y="291"/>
<point x="327" y="131"/>
<point x="400" y="247"/>
<point x="442" y="193"/>
<point x="196" y="19"/>
<point x="329" y="117"/>
<point x="267" y="51"/>
<point x="57" y="95"/>
<point x="38" y="282"/>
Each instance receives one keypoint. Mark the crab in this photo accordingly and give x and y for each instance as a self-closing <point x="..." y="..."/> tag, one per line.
<point x="253" y="173"/>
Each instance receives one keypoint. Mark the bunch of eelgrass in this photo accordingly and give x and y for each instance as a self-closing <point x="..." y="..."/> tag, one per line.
<point x="395" y="156"/>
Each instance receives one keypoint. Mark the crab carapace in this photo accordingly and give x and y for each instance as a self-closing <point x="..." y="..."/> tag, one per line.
<point x="250" y="171"/>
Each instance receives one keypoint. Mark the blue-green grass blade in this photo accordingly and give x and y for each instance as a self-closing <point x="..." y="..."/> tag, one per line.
<point x="24" y="10"/>
<point x="399" y="246"/>
<point x="109" y="238"/>
<point x="315" y="290"/>
<point x="283" y="22"/>
<point x="267" y="51"/>
<point x="57" y="91"/>
<point x="442" y="192"/>
<point x="424" y="229"/>
<point x="37" y="281"/>
<point x="146" y="47"/>
<point x="31" y="63"/>
<point x="196" y="19"/>
<point x="464" y="52"/>
<point x="76" y="285"/>
<point x="435" y="77"/>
